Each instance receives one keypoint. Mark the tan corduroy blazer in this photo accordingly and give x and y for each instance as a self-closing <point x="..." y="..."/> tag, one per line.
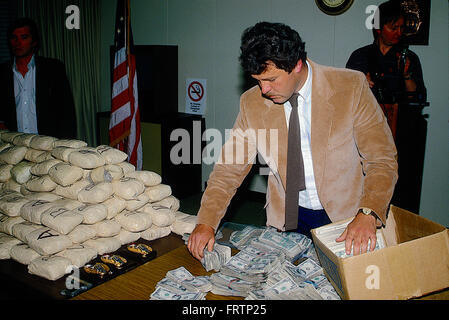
<point x="353" y="151"/>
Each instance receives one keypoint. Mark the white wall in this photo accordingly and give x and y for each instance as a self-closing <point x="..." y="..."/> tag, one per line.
<point x="208" y="33"/>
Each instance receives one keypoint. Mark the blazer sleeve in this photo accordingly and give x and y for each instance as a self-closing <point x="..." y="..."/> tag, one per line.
<point x="377" y="152"/>
<point x="235" y="161"/>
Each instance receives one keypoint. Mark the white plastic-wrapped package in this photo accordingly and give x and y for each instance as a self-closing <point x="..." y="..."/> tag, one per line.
<point x="115" y="205"/>
<point x="51" y="268"/>
<point x="78" y="254"/>
<point x="61" y="219"/>
<point x="111" y="155"/>
<point x="65" y="174"/>
<point x="184" y="223"/>
<point x="21" y="230"/>
<point x="126" y="236"/>
<point x="148" y="178"/>
<point x="21" y="172"/>
<point x="72" y="191"/>
<point x="161" y="216"/>
<point x="33" y="209"/>
<point x="126" y="167"/>
<point x="82" y="233"/>
<point x="6" y="243"/>
<point x="42" y="168"/>
<point x="96" y="193"/>
<point x="9" y="136"/>
<point x="103" y="245"/>
<point x="6" y="223"/>
<point x="45" y="196"/>
<point x="92" y="213"/>
<point x="34" y="155"/>
<point x="128" y="188"/>
<point x="106" y="173"/>
<point x="12" y="185"/>
<point x="134" y="221"/>
<point x="23" y="254"/>
<point x="170" y="202"/>
<point x="71" y="143"/>
<point x="46" y="241"/>
<point x="139" y="202"/>
<point x="41" y="184"/>
<point x="11" y="204"/>
<point x="86" y="158"/>
<point x="5" y="172"/>
<point x="69" y="204"/>
<point x="12" y="155"/>
<point x="41" y="142"/>
<point x="107" y="228"/>
<point x="4" y="145"/>
<point x="23" y="139"/>
<point x="159" y="192"/>
<point x="62" y="153"/>
<point x="155" y="232"/>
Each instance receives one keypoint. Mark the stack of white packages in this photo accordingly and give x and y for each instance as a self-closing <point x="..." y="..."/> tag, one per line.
<point x="62" y="203"/>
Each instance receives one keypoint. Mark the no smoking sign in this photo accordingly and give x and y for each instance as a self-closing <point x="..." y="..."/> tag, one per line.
<point x="196" y="96"/>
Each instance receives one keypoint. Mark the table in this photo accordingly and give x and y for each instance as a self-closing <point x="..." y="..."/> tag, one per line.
<point x="138" y="284"/>
<point x="17" y="283"/>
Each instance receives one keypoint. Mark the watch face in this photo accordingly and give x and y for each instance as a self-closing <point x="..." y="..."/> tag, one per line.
<point x="334" y="7"/>
<point x="366" y="211"/>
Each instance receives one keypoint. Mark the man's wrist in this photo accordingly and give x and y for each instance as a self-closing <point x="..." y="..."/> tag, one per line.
<point x="368" y="212"/>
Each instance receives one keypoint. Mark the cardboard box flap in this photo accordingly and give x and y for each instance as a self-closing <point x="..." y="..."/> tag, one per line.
<point x="410" y="226"/>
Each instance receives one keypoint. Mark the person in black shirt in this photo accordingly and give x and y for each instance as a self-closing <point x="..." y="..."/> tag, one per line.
<point x="392" y="70"/>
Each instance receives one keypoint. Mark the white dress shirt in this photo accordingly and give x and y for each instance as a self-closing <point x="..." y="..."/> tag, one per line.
<point x="308" y="198"/>
<point x="25" y="97"/>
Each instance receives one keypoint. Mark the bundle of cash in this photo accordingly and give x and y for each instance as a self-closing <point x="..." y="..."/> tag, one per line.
<point x="252" y="264"/>
<point x="180" y="284"/>
<point x="287" y="289"/>
<point x="231" y="286"/>
<point x="328" y="234"/>
<point x="163" y="294"/>
<point x="216" y="258"/>
<point x="240" y="238"/>
<point x="291" y="243"/>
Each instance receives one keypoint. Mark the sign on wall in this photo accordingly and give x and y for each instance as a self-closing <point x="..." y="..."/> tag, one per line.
<point x="196" y="96"/>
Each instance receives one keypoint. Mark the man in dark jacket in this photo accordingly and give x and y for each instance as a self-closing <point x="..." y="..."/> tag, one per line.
<point x="35" y="92"/>
<point x="393" y="71"/>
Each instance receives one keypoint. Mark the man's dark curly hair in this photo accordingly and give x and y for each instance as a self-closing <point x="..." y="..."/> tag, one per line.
<point x="274" y="42"/>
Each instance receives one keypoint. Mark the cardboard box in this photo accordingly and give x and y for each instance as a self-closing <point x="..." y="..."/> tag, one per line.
<point x="414" y="263"/>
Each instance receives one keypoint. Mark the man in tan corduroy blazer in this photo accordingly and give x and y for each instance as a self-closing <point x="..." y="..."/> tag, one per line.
<point x="352" y="149"/>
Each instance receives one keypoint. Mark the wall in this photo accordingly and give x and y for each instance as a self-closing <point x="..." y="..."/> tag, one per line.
<point x="208" y="35"/>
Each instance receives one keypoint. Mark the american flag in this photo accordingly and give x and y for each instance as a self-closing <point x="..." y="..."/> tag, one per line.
<point x="124" y="125"/>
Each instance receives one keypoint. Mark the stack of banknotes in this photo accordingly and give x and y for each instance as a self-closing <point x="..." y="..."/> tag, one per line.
<point x="180" y="284"/>
<point x="327" y="235"/>
<point x="270" y="265"/>
<point x="213" y="260"/>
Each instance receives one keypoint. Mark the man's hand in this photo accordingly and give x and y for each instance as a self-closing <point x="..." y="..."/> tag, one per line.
<point x="201" y="236"/>
<point x="357" y="234"/>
